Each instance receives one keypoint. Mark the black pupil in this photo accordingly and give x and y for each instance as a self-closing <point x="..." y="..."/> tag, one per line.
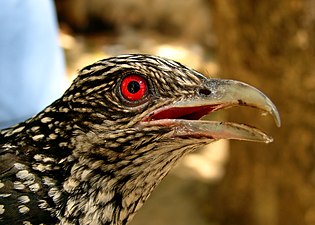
<point x="133" y="87"/>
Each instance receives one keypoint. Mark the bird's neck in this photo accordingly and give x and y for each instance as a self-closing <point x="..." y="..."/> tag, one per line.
<point x="109" y="185"/>
<point x="108" y="197"/>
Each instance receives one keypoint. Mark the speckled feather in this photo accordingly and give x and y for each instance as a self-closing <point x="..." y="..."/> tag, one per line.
<point x="82" y="160"/>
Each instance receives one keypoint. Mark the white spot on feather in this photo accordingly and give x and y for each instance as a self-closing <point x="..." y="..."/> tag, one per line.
<point x="53" y="136"/>
<point x="46" y="120"/>
<point x="5" y="195"/>
<point x="43" y="204"/>
<point x="19" y="166"/>
<point x="7" y="145"/>
<point x="23" y="209"/>
<point x="63" y="144"/>
<point x="23" y="199"/>
<point x="38" y="157"/>
<point x="38" y="137"/>
<point x="49" y="181"/>
<point x="22" y="174"/>
<point x="34" y="129"/>
<point x="17" y="130"/>
<point x="2" y="209"/>
<point x="28" y="178"/>
<point x="18" y="185"/>
<point x="54" y="193"/>
<point x="43" y="158"/>
<point x="34" y="187"/>
<point x="41" y="167"/>
<point x="27" y="223"/>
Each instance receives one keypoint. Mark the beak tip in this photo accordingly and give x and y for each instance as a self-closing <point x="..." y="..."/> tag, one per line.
<point x="277" y="118"/>
<point x="275" y="114"/>
<point x="278" y="123"/>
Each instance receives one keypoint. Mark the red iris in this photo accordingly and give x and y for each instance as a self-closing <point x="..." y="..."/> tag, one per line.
<point x="133" y="87"/>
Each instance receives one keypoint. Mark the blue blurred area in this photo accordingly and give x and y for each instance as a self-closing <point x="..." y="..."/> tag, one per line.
<point x="32" y="68"/>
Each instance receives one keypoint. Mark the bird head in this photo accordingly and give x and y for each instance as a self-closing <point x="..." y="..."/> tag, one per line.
<point x="122" y="125"/>
<point x="136" y="92"/>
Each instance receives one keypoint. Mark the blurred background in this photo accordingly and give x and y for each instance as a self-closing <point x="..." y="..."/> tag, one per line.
<point x="268" y="44"/>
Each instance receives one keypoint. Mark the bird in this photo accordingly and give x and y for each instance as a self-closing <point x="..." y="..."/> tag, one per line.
<point x="95" y="154"/>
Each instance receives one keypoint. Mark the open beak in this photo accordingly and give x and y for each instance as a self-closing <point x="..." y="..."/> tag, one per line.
<point x="215" y="94"/>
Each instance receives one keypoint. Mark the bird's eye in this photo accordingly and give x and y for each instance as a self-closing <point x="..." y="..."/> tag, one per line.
<point x="133" y="87"/>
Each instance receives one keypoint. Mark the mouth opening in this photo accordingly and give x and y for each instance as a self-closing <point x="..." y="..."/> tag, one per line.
<point x="186" y="113"/>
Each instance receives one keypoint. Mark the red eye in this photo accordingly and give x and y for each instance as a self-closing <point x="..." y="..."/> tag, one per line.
<point x="133" y="87"/>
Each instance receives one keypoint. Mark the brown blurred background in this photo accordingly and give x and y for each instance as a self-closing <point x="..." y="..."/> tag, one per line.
<point x="269" y="44"/>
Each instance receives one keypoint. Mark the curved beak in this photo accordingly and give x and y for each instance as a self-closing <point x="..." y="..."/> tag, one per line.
<point x="213" y="95"/>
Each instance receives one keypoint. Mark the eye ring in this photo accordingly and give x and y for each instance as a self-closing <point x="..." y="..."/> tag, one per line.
<point x="133" y="88"/>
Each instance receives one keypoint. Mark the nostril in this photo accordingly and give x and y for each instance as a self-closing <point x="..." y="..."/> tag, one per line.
<point x="204" y="91"/>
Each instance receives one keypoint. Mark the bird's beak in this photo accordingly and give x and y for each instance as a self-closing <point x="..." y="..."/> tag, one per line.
<point x="214" y="94"/>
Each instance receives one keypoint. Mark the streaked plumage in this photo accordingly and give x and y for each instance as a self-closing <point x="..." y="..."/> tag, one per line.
<point x="95" y="154"/>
